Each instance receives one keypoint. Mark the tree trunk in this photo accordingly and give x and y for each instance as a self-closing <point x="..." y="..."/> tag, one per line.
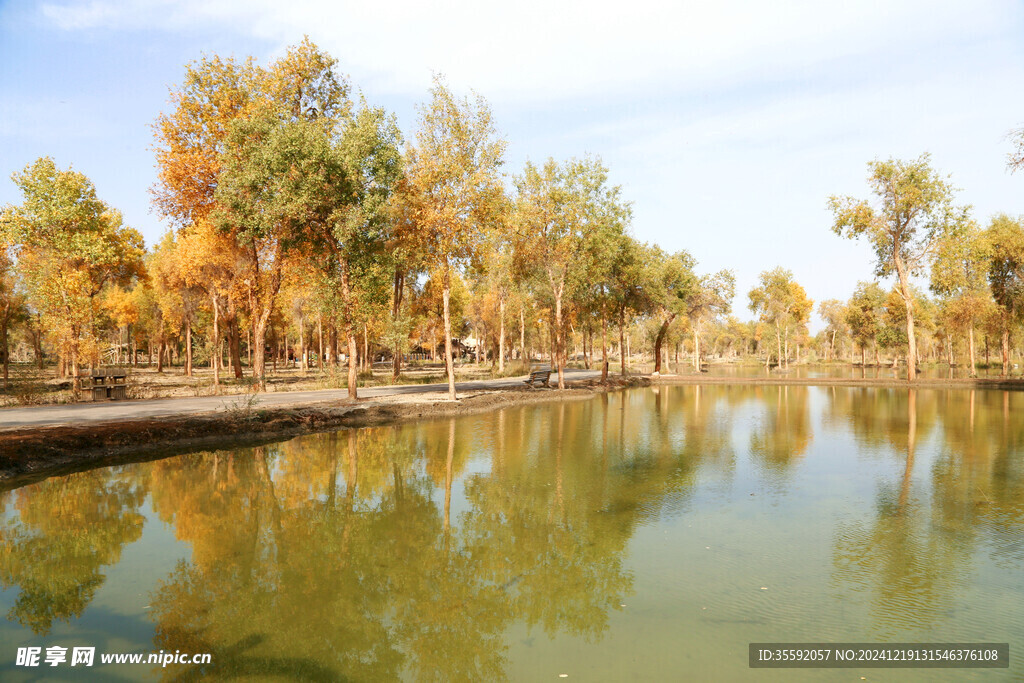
<point x="396" y="311"/>
<point x="37" y="342"/>
<point x="908" y="301"/>
<point x="501" y="335"/>
<point x="970" y="346"/>
<point x="304" y="365"/>
<point x="559" y="339"/>
<point x="353" y="391"/>
<point x="188" y="347"/>
<point x="160" y="357"/>
<point x="3" y="343"/>
<point x="522" y="335"/>
<point x="234" y="345"/>
<point x="259" y="361"/>
<point x="696" y="346"/>
<point x="778" y="340"/>
<point x="627" y="352"/>
<point x="911" y="342"/>
<point x="449" y="365"/>
<point x="320" y="338"/>
<point x="659" y="340"/>
<point x="215" y="351"/>
<point x="604" y="347"/>
<point x="1005" y="339"/>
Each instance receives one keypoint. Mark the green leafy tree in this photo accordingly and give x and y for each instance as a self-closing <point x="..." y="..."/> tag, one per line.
<point x="626" y="285"/>
<point x="671" y="283"/>
<point x="833" y="312"/>
<point x="563" y="212"/>
<point x="1005" y="237"/>
<point x="711" y="297"/>
<point x="864" y="315"/>
<point x="913" y="212"/>
<point x="782" y="303"/>
<point x="959" y="272"/>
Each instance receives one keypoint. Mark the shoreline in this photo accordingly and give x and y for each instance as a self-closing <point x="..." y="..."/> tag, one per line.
<point x="31" y="454"/>
<point x="1005" y="384"/>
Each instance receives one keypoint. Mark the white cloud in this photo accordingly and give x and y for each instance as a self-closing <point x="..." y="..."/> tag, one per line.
<point x="541" y="49"/>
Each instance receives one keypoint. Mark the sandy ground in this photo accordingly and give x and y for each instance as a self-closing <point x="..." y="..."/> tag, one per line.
<point x="31" y="453"/>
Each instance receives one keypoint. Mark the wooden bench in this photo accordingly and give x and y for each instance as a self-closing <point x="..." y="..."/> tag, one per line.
<point x="541" y="376"/>
<point x="106" y="385"/>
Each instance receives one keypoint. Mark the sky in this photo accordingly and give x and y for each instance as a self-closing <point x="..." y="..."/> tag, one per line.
<point x="728" y="124"/>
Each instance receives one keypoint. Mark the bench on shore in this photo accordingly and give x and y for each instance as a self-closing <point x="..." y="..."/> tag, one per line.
<point x="541" y="375"/>
<point x="106" y="385"/>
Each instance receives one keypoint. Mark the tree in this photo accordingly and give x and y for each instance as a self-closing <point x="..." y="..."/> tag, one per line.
<point x="711" y="297"/>
<point x="190" y="143"/>
<point x="276" y="171"/>
<point x="454" y="188"/>
<point x="626" y="285"/>
<point x="782" y="303"/>
<point x="1005" y="237"/>
<point x="864" y="314"/>
<point x="959" y="272"/>
<point x="914" y="212"/>
<point x="209" y="261"/>
<point x="68" y="245"/>
<point x="562" y="211"/>
<point x="671" y="283"/>
<point x="833" y="312"/>
<point x="12" y="304"/>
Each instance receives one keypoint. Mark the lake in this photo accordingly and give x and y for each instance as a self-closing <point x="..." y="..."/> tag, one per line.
<point x="648" y="534"/>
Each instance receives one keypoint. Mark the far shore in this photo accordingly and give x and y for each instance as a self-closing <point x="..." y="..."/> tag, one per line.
<point x="1007" y="384"/>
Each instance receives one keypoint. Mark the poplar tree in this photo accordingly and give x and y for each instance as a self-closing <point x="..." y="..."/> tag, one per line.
<point x="454" y="189"/>
<point x="913" y="210"/>
<point x="959" y="272"/>
<point x="68" y="245"/>
<point x="1006" y="276"/>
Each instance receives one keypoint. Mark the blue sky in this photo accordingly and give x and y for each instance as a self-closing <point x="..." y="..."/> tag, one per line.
<point x="728" y="124"/>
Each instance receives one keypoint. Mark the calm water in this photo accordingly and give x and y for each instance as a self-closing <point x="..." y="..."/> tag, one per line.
<point x="645" y="535"/>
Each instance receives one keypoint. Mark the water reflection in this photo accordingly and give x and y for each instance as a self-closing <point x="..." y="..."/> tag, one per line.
<point x="914" y="556"/>
<point x="784" y="431"/>
<point x="414" y="551"/>
<point x="66" y="530"/>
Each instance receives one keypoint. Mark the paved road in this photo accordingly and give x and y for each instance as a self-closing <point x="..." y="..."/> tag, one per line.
<point x="119" y="411"/>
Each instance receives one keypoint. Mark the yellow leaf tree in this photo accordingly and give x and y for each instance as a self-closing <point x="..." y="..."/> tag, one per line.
<point x="68" y="245"/>
<point x="454" y="186"/>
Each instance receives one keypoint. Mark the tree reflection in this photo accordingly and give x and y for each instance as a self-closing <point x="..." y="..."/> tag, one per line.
<point x="784" y="432"/>
<point x="352" y="554"/>
<point x="912" y="557"/>
<point x="67" y="529"/>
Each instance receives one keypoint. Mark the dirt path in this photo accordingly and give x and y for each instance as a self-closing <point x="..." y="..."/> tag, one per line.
<point x="81" y="414"/>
